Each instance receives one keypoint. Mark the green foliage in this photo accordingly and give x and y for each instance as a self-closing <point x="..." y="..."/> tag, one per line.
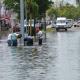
<point x="68" y="11"/>
<point x="77" y="12"/>
<point x="12" y="4"/>
<point x="52" y="12"/>
<point x="32" y="8"/>
<point x="35" y="7"/>
<point x="43" y="5"/>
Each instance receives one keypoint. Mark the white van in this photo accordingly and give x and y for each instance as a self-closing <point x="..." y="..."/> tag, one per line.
<point x="61" y="23"/>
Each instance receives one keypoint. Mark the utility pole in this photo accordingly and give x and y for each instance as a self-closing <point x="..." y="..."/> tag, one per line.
<point x="30" y="18"/>
<point x="26" y="16"/>
<point x="45" y="25"/>
<point x="22" y="20"/>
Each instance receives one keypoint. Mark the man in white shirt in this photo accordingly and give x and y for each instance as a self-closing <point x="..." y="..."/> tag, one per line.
<point x="40" y="36"/>
<point x="9" y="40"/>
<point x="12" y="39"/>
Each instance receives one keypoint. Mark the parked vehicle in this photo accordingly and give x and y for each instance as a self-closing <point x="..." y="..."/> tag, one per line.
<point x="76" y="24"/>
<point x="61" y="23"/>
<point x="70" y="22"/>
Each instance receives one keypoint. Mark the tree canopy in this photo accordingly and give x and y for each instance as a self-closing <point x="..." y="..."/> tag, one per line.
<point x="68" y="11"/>
<point x="33" y="6"/>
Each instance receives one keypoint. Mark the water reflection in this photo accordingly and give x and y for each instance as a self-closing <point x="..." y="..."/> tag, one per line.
<point x="67" y="60"/>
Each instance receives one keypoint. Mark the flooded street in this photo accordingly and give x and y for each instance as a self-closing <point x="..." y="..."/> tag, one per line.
<point x="57" y="59"/>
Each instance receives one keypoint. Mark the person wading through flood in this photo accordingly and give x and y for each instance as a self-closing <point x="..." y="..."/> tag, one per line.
<point x="9" y="40"/>
<point x="12" y="39"/>
<point x="40" y="37"/>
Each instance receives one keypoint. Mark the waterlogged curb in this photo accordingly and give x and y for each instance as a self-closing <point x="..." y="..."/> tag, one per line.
<point x="50" y="29"/>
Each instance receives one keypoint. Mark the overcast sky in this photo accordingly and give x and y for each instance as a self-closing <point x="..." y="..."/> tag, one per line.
<point x="69" y="1"/>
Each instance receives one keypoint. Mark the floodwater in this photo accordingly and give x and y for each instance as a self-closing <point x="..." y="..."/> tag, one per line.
<point x="57" y="59"/>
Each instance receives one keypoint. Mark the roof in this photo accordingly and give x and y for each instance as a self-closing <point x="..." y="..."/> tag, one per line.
<point x="61" y="18"/>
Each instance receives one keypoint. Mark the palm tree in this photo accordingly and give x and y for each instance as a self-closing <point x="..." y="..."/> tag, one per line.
<point x="32" y="11"/>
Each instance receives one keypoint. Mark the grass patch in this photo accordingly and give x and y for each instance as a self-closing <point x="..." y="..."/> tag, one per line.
<point x="50" y="29"/>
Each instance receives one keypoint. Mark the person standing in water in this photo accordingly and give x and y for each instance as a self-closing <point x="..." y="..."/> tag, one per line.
<point x="12" y="39"/>
<point x="40" y="36"/>
<point x="9" y="40"/>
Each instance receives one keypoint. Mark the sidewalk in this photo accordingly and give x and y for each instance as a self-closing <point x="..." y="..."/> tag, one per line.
<point x="49" y="28"/>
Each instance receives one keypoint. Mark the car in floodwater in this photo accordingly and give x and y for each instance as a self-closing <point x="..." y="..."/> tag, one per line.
<point x="62" y="23"/>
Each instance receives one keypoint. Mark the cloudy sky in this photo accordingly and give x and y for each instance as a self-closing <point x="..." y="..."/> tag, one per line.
<point x="69" y="1"/>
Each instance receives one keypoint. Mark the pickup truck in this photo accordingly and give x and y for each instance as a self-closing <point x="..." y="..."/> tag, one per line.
<point x="61" y="23"/>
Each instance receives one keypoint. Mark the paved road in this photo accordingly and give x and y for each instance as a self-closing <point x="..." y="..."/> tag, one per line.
<point x="57" y="59"/>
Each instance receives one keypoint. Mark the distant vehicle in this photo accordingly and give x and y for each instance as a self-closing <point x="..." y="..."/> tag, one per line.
<point x="70" y="22"/>
<point x="61" y="23"/>
<point x="76" y="24"/>
<point x="78" y="18"/>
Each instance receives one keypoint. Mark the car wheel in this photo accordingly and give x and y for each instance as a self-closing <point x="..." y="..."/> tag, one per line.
<point x="57" y="29"/>
<point x="74" y="25"/>
<point x="65" y="29"/>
